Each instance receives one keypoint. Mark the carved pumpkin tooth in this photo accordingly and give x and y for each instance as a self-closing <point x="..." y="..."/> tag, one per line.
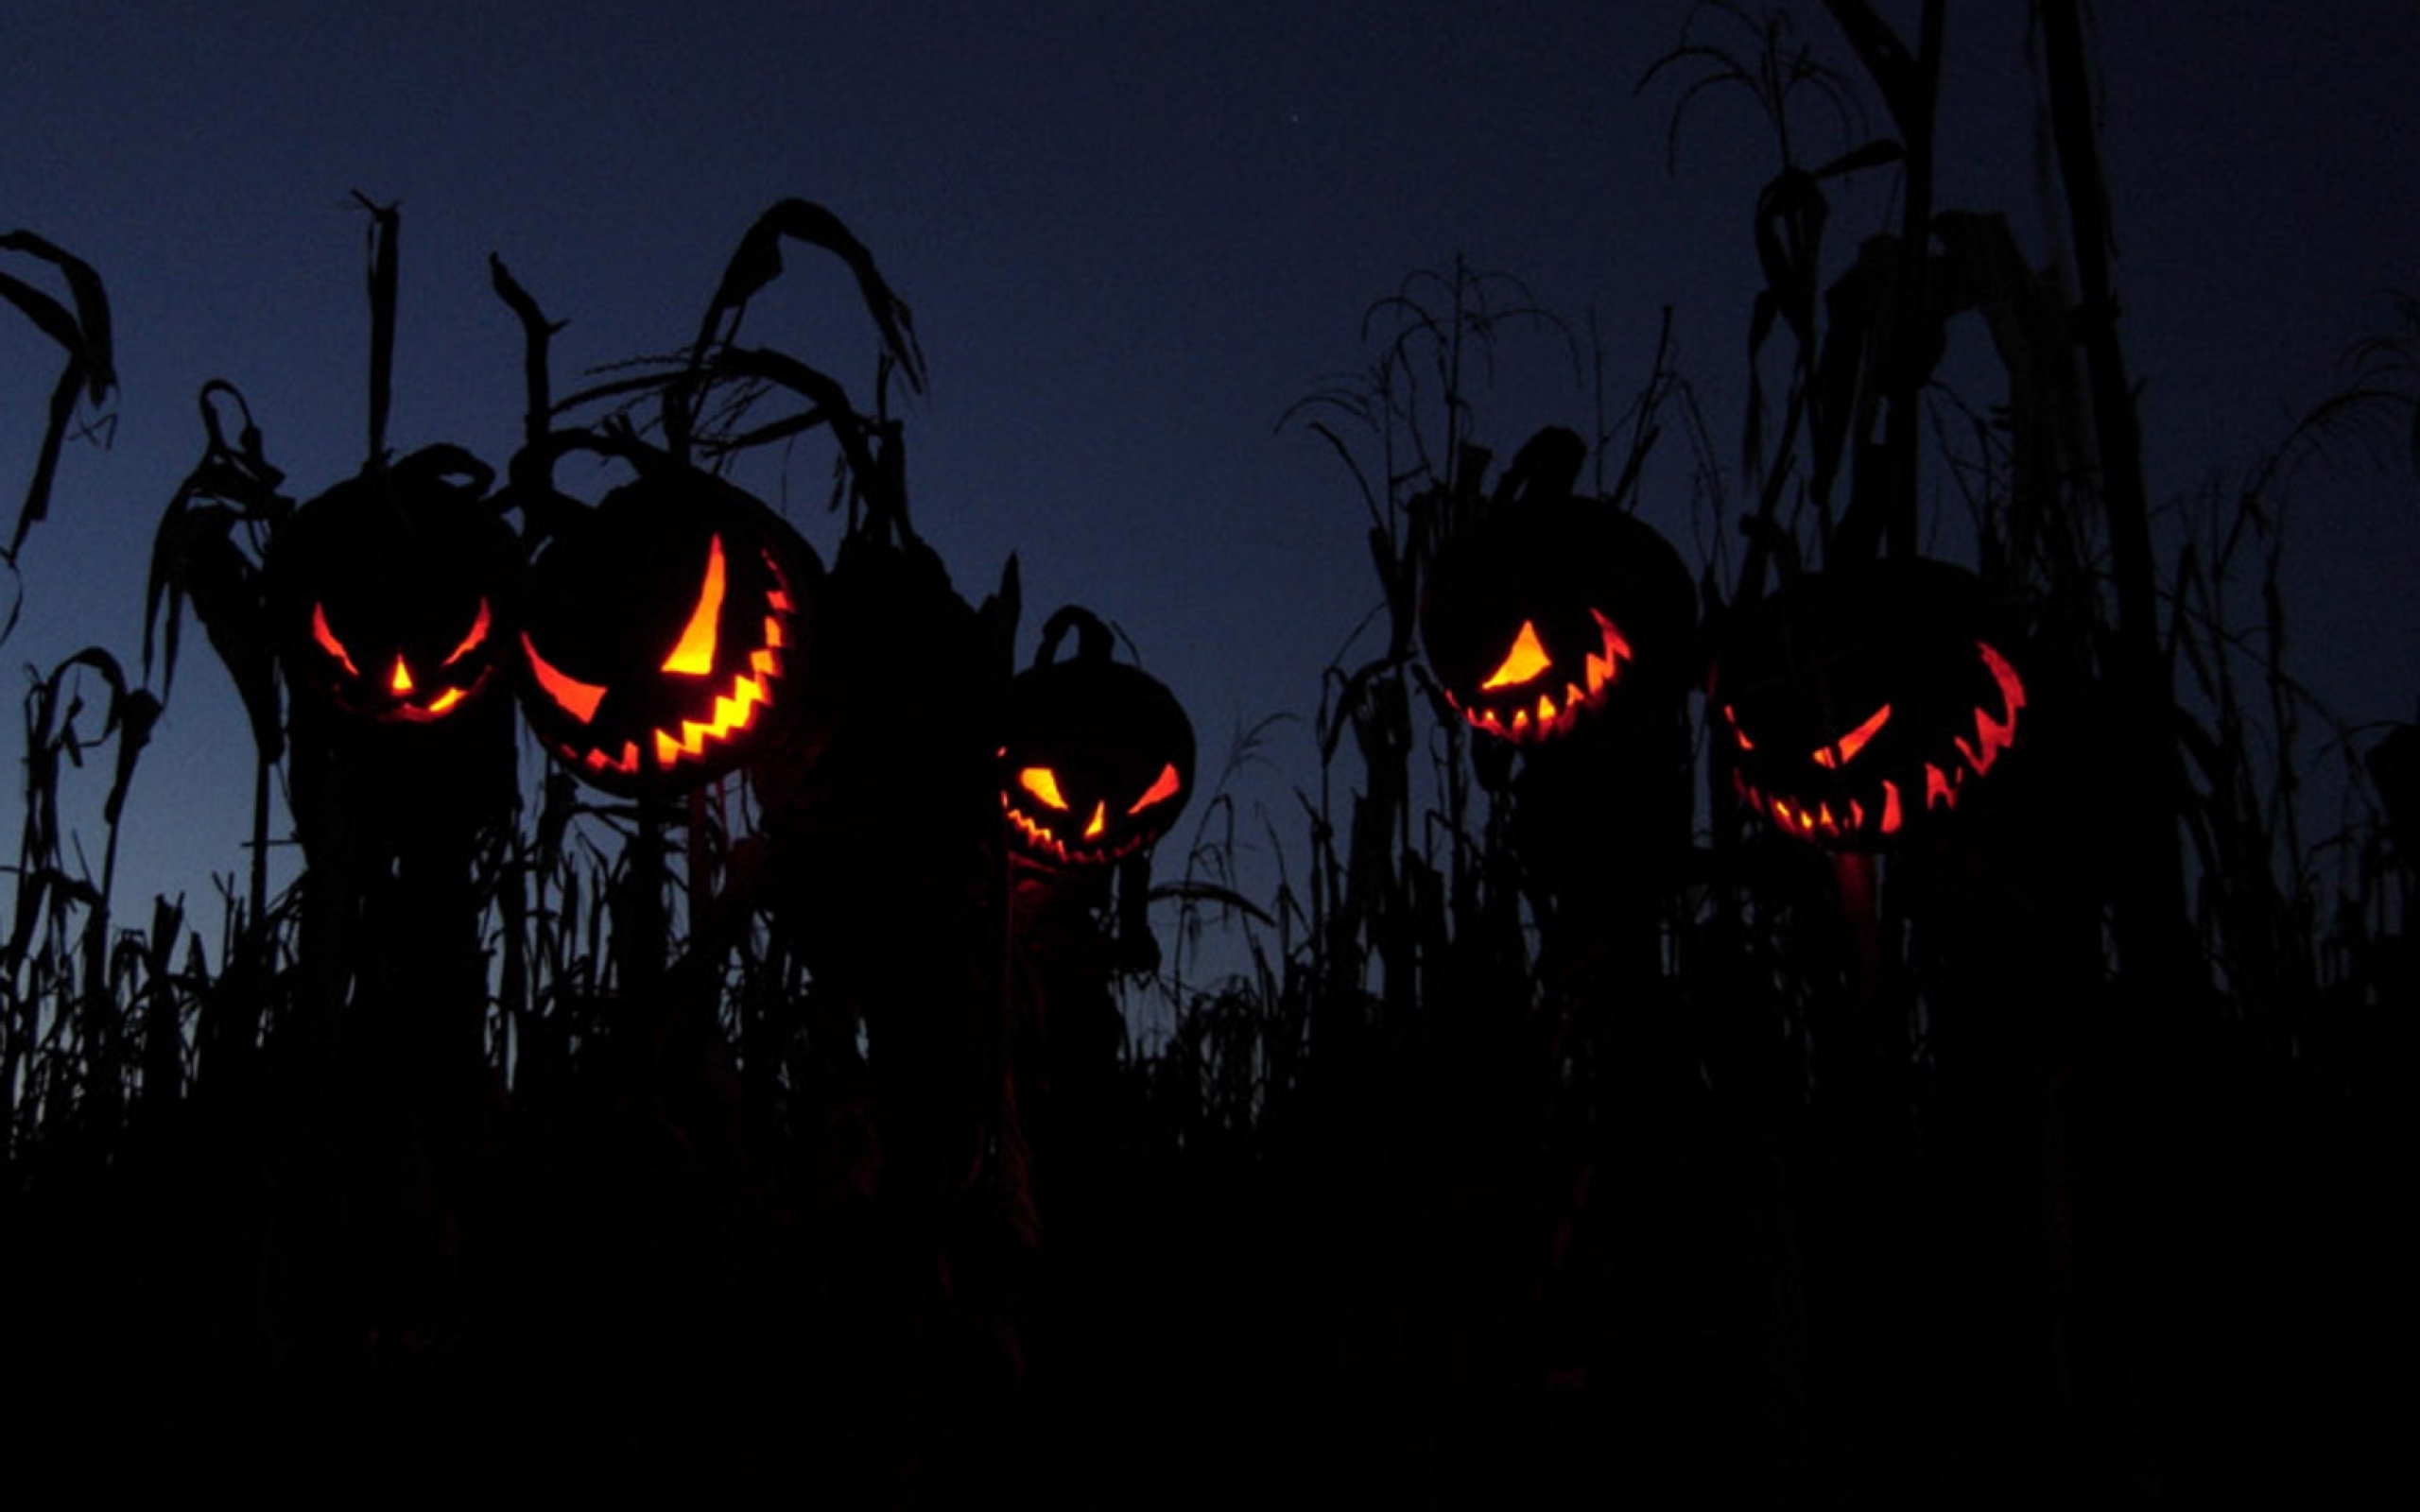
<point x="1891" y="816"/>
<point x="1616" y="647"/>
<point x="626" y="764"/>
<point x="1993" y="736"/>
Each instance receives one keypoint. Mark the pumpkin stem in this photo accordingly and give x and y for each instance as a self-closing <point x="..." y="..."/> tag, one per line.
<point x="1092" y="637"/>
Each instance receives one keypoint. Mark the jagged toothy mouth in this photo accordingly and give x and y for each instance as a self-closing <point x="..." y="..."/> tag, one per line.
<point x="411" y="711"/>
<point x="734" y="710"/>
<point x="1041" y="842"/>
<point x="1882" y="809"/>
<point x="1546" y="714"/>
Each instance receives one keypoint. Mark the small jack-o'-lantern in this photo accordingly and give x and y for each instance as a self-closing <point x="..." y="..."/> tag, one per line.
<point x="662" y="631"/>
<point x="1542" y="607"/>
<point x="1097" y="756"/>
<point x="389" y="591"/>
<point x="1857" y="702"/>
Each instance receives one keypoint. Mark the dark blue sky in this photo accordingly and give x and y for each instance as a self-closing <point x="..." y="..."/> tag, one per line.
<point x="1132" y="234"/>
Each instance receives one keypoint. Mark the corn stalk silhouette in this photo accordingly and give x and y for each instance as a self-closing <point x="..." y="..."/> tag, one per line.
<point x="2027" y="1228"/>
<point x="80" y="327"/>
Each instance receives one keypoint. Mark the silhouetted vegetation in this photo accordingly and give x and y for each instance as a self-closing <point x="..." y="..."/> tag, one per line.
<point x="1567" y="1125"/>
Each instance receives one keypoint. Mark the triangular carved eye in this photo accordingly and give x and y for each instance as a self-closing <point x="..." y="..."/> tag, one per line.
<point x="472" y="639"/>
<point x="1845" y="750"/>
<point x="328" y="641"/>
<point x="1732" y="718"/>
<point x="1044" y="785"/>
<point x="1162" y="789"/>
<point x="578" y="699"/>
<point x="1524" y="662"/>
<point x="694" y="657"/>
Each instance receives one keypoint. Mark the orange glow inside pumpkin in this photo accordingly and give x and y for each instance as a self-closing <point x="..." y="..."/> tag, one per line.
<point x="1527" y="662"/>
<point x="328" y="641"/>
<point x="1162" y="789"/>
<point x="694" y="657"/>
<point x="1042" y="784"/>
<point x="1521" y="664"/>
<point x="733" y="710"/>
<point x="471" y="640"/>
<point x="400" y="682"/>
<point x="1844" y="749"/>
<point x="1731" y="718"/>
<point x="1995" y="735"/>
<point x="1944" y="780"/>
<point x="578" y="699"/>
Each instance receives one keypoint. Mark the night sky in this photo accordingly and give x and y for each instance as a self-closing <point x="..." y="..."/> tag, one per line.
<point x="1133" y="237"/>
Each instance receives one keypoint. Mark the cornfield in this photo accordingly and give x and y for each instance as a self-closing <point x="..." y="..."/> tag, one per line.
<point x="1552" y="1124"/>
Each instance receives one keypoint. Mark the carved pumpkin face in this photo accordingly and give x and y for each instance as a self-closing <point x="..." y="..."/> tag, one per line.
<point x="1096" y="761"/>
<point x="1857" y="704"/>
<point x="1542" y="607"/>
<point x="663" y="632"/>
<point x="390" y="597"/>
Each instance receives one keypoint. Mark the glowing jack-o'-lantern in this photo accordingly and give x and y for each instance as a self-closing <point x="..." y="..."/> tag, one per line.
<point x="1542" y="607"/>
<point x="389" y="591"/>
<point x="662" y="632"/>
<point x="1097" y="760"/>
<point x="1857" y="702"/>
